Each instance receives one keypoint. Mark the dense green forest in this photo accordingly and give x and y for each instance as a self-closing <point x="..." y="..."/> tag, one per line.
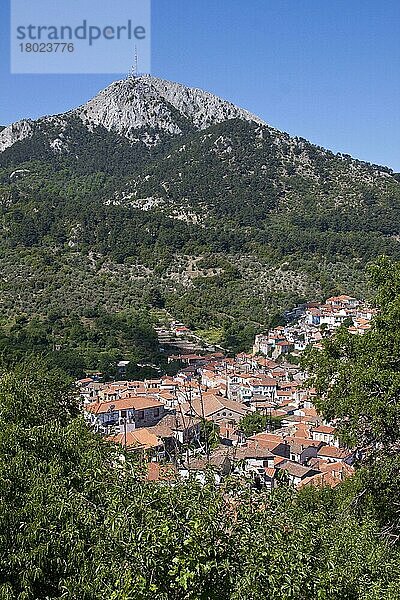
<point x="94" y="342"/>
<point x="79" y="520"/>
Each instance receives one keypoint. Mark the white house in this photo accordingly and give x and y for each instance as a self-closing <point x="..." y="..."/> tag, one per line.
<point x="325" y="433"/>
<point x="126" y="413"/>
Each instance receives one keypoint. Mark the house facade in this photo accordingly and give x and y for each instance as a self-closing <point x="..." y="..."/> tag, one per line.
<point x="127" y="413"/>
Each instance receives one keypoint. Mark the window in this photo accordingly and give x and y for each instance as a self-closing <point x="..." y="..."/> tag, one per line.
<point x="140" y="415"/>
<point x="156" y="412"/>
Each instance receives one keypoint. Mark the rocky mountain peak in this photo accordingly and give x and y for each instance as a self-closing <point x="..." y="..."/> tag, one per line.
<point x="149" y="102"/>
<point x="139" y="103"/>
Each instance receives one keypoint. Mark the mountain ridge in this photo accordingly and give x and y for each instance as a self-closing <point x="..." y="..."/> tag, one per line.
<point x="143" y="109"/>
<point x="131" y="104"/>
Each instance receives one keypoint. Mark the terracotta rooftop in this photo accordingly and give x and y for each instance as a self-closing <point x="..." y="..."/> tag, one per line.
<point x="140" y="438"/>
<point x="324" y="429"/>
<point x="333" y="452"/>
<point x="136" y="403"/>
<point x="161" y="472"/>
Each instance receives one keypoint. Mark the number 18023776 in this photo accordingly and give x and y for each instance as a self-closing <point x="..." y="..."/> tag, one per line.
<point x="59" y="47"/>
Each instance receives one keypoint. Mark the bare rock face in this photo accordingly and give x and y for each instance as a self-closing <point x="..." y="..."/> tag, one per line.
<point x="147" y="102"/>
<point x="139" y="103"/>
<point x="16" y="132"/>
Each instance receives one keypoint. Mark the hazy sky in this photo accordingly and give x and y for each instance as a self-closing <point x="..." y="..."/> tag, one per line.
<point x="325" y="70"/>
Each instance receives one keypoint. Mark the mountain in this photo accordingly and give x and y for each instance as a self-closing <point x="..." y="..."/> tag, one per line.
<point x="155" y="193"/>
<point x="131" y="108"/>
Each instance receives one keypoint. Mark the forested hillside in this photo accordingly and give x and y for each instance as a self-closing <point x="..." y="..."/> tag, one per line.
<point x="229" y="220"/>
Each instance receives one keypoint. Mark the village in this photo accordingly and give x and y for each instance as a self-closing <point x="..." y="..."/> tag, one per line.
<point x="197" y="422"/>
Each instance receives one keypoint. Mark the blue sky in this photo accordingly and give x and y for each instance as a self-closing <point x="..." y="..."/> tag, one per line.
<point x="328" y="71"/>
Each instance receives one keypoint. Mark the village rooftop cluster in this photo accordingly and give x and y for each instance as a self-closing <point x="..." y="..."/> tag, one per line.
<point x="164" y="419"/>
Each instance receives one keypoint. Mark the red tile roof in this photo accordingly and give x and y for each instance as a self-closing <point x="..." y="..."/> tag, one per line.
<point x="139" y="438"/>
<point x="270" y="472"/>
<point x="333" y="452"/>
<point x="324" y="429"/>
<point x="161" y="472"/>
<point x="136" y="402"/>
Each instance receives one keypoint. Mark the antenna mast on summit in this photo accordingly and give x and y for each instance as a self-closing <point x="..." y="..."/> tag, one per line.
<point x="134" y="70"/>
<point x="136" y="62"/>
